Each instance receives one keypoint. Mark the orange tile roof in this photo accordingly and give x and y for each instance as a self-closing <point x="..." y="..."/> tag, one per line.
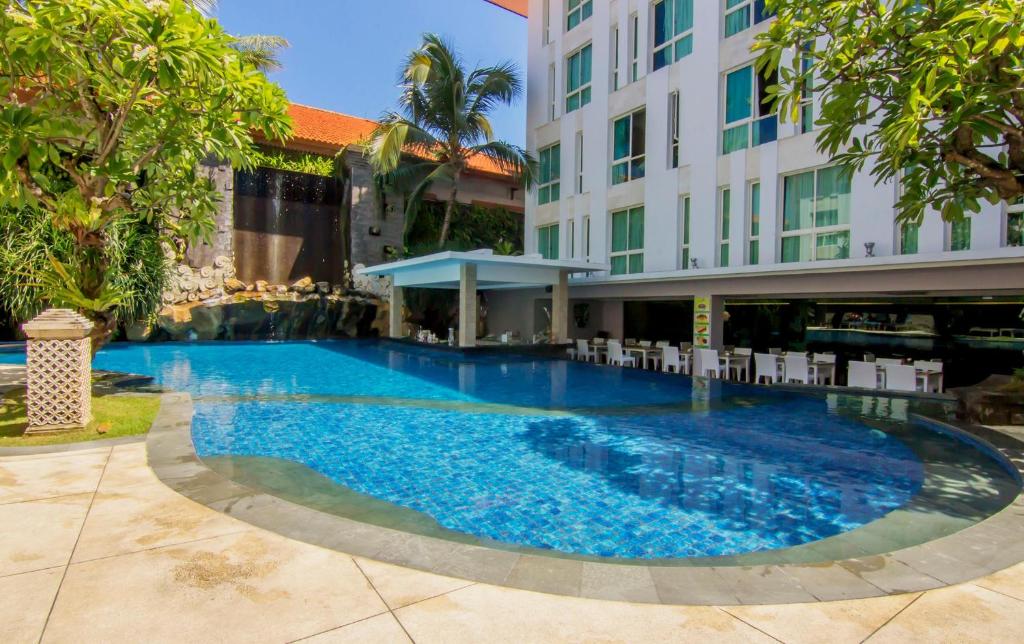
<point x="320" y="127"/>
<point x="515" y="6"/>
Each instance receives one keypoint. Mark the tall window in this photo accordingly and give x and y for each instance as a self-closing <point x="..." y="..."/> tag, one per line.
<point x="673" y="129"/>
<point x="546" y="17"/>
<point x="552" y="93"/>
<point x="673" y="31"/>
<point x="754" y="229"/>
<point x="960" y="234"/>
<point x="1015" y="223"/>
<point x="684" y="204"/>
<point x="615" y="58"/>
<point x="548" y="181"/>
<point x="738" y="15"/>
<point x="634" y="47"/>
<point x="908" y="238"/>
<point x="748" y="121"/>
<point x="628" y="156"/>
<point x="816" y="215"/>
<point x="579" y="162"/>
<point x="572" y="239"/>
<point x="806" y="90"/>
<point x="586" y="237"/>
<point x="547" y="241"/>
<point x="627" y="255"/>
<point x="577" y="79"/>
<point x="725" y="206"/>
<point x="579" y="10"/>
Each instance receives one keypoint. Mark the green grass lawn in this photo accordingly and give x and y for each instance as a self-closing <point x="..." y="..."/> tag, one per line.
<point x="112" y="417"/>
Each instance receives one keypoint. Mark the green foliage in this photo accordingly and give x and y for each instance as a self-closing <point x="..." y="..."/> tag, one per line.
<point x="444" y="122"/>
<point x="472" y="227"/>
<point x="929" y="93"/>
<point x="113" y="105"/>
<point x="30" y="243"/>
<point x="296" y="161"/>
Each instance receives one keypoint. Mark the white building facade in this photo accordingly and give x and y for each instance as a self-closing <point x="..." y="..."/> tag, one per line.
<point x="658" y="158"/>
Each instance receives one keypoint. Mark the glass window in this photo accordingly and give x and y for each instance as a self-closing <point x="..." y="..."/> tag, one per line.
<point x="673" y="130"/>
<point x="548" y="184"/>
<point x="615" y="58"/>
<point x="552" y="93"/>
<point x="738" y="14"/>
<point x="586" y="237"/>
<point x="909" y="233"/>
<point x="1015" y="223"/>
<point x="725" y="200"/>
<point x="685" y="227"/>
<point x="579" y="10"/>
<point x="628" y="157"/>
<point x="754" y="221"/>
<point x="673" y="31"/>
<point x="627" y="252"/>
<point x="579" y="162"/>
<point x="806" y="91"/>
<point x="816" y="215"/>
<point x="634" y="47"/>
<point x="572" y="239"/>
<point x="960" y="234"/>
<point x="577" y="79"/>
<point x="748" y="120"/>
<point x="547" y="241"/>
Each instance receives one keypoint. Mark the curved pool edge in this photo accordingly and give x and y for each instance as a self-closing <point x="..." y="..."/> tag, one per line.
<point x="988" y="546"/>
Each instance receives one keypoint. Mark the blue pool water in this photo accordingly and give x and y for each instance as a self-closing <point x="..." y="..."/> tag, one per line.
<point x="547" y="453"/>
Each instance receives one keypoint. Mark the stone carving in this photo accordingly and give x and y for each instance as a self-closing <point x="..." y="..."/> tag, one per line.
<point x="59" y="365"/>
<point x="379" y="287"/>
<point x="191" y="284"/>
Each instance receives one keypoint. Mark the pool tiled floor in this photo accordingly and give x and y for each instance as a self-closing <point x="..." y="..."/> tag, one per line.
<point x="95" y="548"/>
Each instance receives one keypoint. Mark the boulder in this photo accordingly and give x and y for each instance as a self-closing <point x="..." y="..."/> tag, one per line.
<point x="234" y="285"/>
<point x="323" y="287"/>
<point x="261" y="286"/>
<point x="138" y="331"/>
<point x="301" y="285"/>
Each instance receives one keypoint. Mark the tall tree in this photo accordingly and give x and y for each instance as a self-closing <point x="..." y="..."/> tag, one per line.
<point x="444" y="122"/>
<point x="930" y="92"/>
<point x="110" y="107"/>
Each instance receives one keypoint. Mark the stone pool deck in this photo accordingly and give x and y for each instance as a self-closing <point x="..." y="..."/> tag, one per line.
<point x="93" y="547"/>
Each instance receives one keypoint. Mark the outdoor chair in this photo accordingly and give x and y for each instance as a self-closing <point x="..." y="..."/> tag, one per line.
<point x="707" y="362"/>
<point x="775" y="351"/>
<point x="629" y="342"/>
<point x="888" y="361"/>
<point x="662" y="344"/>
<point x="644" y="343"/>
<point x="743" y="365"/>
<point x="825" y="369"/>
<point x="796" y="369"/>
<point x="869" y="357"/>
<point x="900" y="377"/>
<point x="766" y="366"/>
<point x="584" y="352"/>
<point x="928" y="379"/>
<point x="862" y="374"/>
<point x="617" y="357"/>
<point x="685" y="346"/>
<point x="670" y="362"/>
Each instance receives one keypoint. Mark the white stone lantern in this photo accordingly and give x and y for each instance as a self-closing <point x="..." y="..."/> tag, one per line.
<point x="59" y="365"/>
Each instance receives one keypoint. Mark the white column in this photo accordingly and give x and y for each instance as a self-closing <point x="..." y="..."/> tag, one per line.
<point x="467" y="305"/>
<point x="708" y="320"/>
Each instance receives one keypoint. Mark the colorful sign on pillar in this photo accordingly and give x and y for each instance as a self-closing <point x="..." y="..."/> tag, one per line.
<point x="702" y="321"/>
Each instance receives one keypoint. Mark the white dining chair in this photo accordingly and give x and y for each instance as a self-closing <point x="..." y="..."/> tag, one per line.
<point x="707" y="363"/>
<point x="644" y="343"/>
<point x="888" y="361"/>
<point x="825" y="368"/>
<point x="862" y="374"/>
<point x="685" y="346"/>
<point x="796" y="369"/>
<point x="662" y="344"/>
<point x="629" y="342"/>
<point x="743" y="364"/>
<point x="775" y="351"/>
<point x="584" y="352"/>
<point x="900" y="377"/>
<point x="670" y="362"/>
<point x="766" y="365"/>
<point x="617" y="357"/>
<point x="928" y="379"/>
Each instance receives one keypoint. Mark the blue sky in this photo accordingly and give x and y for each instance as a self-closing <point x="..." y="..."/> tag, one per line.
<point x="346" y="54"/>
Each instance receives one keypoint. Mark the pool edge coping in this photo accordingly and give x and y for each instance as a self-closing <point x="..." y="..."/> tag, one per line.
<point x="988" y="546"/>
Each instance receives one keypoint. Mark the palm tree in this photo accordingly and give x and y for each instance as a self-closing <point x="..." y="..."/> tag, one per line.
<point x="443" y="122"/>
<point x="259" y="50"/>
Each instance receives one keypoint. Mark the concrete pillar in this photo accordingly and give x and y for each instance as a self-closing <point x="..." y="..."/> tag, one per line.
<point x="708" y="320"/>
<point x="467" y="305"/>
<point x="560" y="309"/>
<point x="395" y="311"/>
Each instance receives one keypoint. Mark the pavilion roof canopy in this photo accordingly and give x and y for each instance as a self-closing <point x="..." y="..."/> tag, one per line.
<point x="442" y="270"/>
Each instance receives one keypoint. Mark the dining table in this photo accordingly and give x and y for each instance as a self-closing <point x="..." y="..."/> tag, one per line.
<point x="643" y="352"/>
<point x="729" y="358"/>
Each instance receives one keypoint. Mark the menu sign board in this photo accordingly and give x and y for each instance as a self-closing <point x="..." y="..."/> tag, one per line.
<point x="702" y="321"/>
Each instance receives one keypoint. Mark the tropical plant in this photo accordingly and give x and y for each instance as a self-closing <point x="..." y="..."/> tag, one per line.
<point x="926" y="92"/>
<point x="443" y="123"/>
<point x="262" y="51"/>
<point x="112" y="105"/>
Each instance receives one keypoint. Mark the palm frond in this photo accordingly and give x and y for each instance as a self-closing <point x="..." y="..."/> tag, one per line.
<point x="262" y="51"/>
<point x="509" y="158"/>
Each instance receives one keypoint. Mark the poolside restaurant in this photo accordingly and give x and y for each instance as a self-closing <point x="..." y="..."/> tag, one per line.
<point x="862" y="326"/>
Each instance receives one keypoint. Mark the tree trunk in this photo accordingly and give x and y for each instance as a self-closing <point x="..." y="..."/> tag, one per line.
<point x="448" y="212"/>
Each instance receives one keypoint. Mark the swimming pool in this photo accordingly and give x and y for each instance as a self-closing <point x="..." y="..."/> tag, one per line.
<point x="547" y="454"/>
